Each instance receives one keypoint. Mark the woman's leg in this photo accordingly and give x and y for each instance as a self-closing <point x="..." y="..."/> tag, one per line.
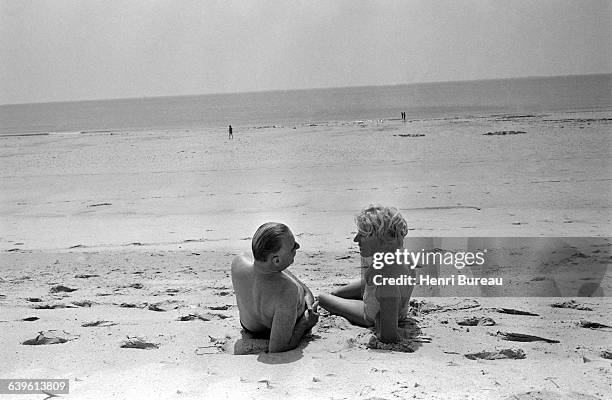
<point x="353" y="290"/>
<point x="350" y="309"/>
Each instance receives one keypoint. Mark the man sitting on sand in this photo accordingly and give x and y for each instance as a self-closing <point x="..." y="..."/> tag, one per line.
<point x="272" y="301"/>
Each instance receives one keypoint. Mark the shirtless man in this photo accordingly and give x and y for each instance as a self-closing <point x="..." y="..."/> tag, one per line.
<point x="272" y="301"/>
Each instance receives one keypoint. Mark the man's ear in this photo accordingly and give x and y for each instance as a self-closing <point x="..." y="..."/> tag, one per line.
<point x="275" y="259"/>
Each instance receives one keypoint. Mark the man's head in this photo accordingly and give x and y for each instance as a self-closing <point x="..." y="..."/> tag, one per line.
<point x="378" y="228"/>
<point x="274" y="243"/>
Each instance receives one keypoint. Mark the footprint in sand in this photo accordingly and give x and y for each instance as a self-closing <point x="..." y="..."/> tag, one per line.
<point x="202" y="316"/>
<point x="216" y="346"/>
<point x="135" y="286"/>
<point x="135" y="342"/>
<point x="61" y="288"/>
<point x="194" y="316"/>
<point x="425" y="307"/>
<point x="220" y="308"/>
<point x="83" y="303"/>
<point x="101" y="323"/>
<point x="52" y="306"/>
<point x="129" y="305"/>
<point x="34" y="299"/>
<point x="592" y="325"/>
<point x="475" y="321"/>
<point x="164" y="305"/>
<point x="571" y="304"/>
<point x="516" y="354"/>
<point x="522" y="337"/>
<point x="50" y="337"/>
<point x="512" y="311"/>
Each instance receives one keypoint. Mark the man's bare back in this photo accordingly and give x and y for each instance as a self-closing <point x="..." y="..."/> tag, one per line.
<point x="260" y="296"/>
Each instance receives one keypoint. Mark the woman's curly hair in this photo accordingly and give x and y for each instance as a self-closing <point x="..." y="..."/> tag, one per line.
<point x="381" y="222"/>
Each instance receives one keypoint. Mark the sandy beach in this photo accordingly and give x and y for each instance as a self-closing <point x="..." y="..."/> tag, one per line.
<point x="143" y="226"/>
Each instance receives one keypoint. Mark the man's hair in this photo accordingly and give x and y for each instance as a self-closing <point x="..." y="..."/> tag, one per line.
<point x="268" y="239"/>
<point x="381" y="222"/>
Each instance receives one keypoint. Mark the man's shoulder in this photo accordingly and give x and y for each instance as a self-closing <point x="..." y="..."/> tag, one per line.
<point x="289" y="290"/>
<point x="242" y="259"/>
<point x="241" y="263"/>
<point x="278" y="286"/>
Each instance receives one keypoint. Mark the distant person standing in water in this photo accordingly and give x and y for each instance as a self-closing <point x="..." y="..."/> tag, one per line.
<point x="231" y="134"/>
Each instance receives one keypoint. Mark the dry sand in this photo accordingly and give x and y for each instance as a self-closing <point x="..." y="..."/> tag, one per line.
<point x="155" y="217"/>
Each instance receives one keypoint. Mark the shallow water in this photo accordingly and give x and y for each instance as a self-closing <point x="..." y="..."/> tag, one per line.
<point x="298" y="107"/>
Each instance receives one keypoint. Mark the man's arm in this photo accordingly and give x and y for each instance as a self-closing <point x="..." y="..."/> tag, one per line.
<point x="286" y="333"/>
<point x="304" y="325"/>
<point x="283" y="324"/>
<point x="308" y="297"/>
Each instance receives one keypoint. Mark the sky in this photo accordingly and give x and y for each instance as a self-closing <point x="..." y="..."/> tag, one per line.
<point x="62" y="50"/>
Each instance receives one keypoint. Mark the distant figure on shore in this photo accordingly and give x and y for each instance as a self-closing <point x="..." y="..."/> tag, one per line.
<point x="368" y="301"/>
<point x="403" y="115"/>
<point x="231" y="133"/>
<point x="272" y="302"/>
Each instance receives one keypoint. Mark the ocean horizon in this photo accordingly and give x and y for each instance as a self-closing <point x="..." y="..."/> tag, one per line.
<point x="305" y="106"/>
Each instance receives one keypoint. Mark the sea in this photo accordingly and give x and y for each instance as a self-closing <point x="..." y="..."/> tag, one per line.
<point x="465" y="99"/>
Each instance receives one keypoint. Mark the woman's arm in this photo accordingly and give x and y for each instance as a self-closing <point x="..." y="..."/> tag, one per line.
<point x="388" y="297"/>
<point x="389" y="304"/>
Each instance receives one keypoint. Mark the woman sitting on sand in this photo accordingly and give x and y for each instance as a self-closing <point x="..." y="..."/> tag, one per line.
<point x="371" y="301"/>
